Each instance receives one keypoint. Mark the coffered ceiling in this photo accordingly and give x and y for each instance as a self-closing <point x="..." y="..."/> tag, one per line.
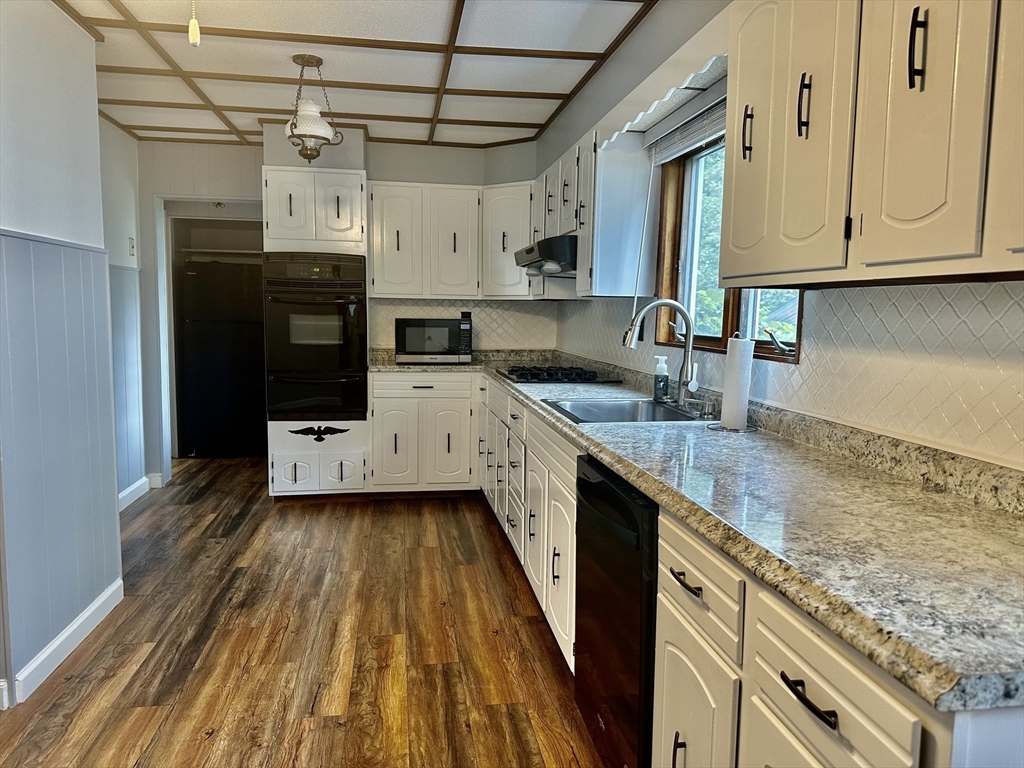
<point x="477" y="73"/>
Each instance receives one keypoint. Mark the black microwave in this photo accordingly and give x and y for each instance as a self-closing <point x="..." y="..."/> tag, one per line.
<point x="439" y="341"/>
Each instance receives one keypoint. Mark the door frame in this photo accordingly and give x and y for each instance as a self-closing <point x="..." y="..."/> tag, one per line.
<point x="6" y="667"/>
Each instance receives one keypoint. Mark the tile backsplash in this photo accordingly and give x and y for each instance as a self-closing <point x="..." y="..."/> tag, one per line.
<point x="941" y="365"/>
<point x="496" y="324"/>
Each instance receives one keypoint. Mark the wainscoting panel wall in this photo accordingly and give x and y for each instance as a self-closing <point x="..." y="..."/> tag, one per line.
<point x="941" y="365"/>
<point x="62" y="540"/>
<point x="127" y="351"/>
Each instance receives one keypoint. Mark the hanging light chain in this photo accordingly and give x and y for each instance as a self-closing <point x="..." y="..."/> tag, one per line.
<point x="327" y="100"/>
<point x="298" y="96"/>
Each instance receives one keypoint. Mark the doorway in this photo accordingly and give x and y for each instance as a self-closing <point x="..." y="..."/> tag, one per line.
<point x="220" y="373"/>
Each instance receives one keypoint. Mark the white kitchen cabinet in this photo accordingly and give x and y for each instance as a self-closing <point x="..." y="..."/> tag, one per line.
<point x="789" y="138"/>
<point x="587" y="150"/>
<point x="289" y="204"/>
<point x="397" y="216"/>
<point x="342" y="471"/>
<point x="506" y="229"/>
<point x="537" y="202"/>
<point x="314" y="210"/>
<point x="696" y="697"/>
<point x="501" y="470"/>
<point x="453" y="235"/>
<point x="565" y="193"/>
<point x="535" y="542"/>
<point x="446" y="441"/>
<point x="491" y="457"/>
<point x="922" y="129"/>
<point x="294" y="472"/>
<point x="514" y="527"/>
<point x="396" y="442"/>
<point x="561" y="553"/>
<point x="768" y="742"/>
<point x="552" y="204"/>
<point x="317" y="457"/>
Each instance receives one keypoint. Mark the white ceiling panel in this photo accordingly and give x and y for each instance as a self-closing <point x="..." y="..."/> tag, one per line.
<point x="177" y="118"/>
<point x="472" y="134"/>
<point x="507" y="73"/>
<point x="381" y="130"/>
<point x="99" y="9"/>
<point x="568" y="25"/>
<point x="126" y="48"/>
<point x="144" y="87"/>
<point x="495" y="108"/>
<point x="272" y="58"/>
<point x="418" y="20"/>
<point x="225" y="92"/>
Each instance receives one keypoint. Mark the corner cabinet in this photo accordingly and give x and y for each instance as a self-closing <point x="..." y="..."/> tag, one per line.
<point x="506" y="229"/>
<point x="314" y="210"/>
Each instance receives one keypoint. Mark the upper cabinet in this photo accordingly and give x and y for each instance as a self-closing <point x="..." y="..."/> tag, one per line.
<point x="313" y="210"/>
<point x="506" y="211"/>
<point x="587" y="151"/>
<point x="806" y="202"/>
<point x="397" y="211"/>
<point x="552" y="203"/>
<point x="566" y="191"/>
<point x="453" y="235"/>
<point x="537" y="201"/>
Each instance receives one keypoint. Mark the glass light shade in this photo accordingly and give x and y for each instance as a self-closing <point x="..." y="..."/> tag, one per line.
<point x="310" y="131"/>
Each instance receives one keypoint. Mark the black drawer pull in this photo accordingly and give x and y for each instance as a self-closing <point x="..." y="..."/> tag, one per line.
<point x="828" y="716"/>
<point x="511" y="522"/>
<point x="422" y="386"/>
<point x="676" y="746"/>
<point x="529" y="525"/>
<point x="514" y="416"/>
<point x="803" y="124"/>
<point x="514" y="464"/>
<point x="913" y="71"/>
<point x="747" y="143"/>
<point x="554" y="558"/>
<point x="679" y="576"/>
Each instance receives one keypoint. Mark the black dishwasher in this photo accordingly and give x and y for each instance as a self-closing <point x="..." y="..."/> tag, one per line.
<point x="616" y="592"/>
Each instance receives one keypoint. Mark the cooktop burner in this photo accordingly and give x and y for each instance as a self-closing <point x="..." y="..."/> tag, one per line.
<point x="553" y="374"/>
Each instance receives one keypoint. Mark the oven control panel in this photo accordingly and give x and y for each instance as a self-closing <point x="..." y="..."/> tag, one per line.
<point x="300" y="271"/>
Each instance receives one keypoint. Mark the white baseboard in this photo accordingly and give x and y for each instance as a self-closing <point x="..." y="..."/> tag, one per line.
<point x="132" y="493"/>
<point x="47" y="660"/>
<point x="4" y="702"/>
<point x="156" y="480"/>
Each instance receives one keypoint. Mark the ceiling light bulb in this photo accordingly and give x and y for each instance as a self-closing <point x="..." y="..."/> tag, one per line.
<point x="193" y="32"/>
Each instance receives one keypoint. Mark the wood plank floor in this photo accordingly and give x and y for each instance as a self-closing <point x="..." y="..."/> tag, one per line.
<point x="366" y="633"/>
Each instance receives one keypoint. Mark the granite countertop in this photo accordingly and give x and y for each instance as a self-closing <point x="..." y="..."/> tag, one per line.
<point x="432" y="368"/>
<point x="928" y="586"/>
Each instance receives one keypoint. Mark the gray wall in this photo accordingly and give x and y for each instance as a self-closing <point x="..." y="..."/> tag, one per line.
<point x="62" y="539"/>
<point x="127" y="352"/>
<point x="349" y="155"/>
<point x="423" y="164"/>
<point x="515" y="162"/>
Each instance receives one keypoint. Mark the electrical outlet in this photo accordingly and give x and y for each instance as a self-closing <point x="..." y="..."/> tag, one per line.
<point x="131" y="247"/>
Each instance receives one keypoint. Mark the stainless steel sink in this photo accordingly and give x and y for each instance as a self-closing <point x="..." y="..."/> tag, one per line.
<point x="618" y="411"/>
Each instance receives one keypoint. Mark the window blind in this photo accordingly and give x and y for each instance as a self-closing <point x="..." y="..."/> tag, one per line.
<point x="696" y="132"/>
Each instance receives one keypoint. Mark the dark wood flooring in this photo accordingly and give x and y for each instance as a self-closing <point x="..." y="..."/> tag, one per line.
<point x="378" y="632"/>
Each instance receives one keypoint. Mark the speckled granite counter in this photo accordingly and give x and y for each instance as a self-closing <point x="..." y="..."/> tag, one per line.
<point x="930" y="587"/>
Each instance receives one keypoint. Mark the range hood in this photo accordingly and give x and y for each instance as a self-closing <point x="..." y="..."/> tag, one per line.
<point x="551" y="257"/>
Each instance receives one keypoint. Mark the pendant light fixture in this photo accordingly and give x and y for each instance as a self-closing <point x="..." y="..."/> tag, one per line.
<point x="193" y="28"/>
<point x="307" y="130"/>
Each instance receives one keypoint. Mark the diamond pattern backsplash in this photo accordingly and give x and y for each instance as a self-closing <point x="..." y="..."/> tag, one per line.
<point x="941" y="365"/>
<point x="496" y="324"/>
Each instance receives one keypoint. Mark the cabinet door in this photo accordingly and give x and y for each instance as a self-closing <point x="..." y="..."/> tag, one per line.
<point x="922" y="129"/>
<point x="552" y="207"/>
<point x="289" y="205"/>
<point x="1003" y="238"/>
<point x="561" y="559"/>
<point x="535" y="548"/>
<point x="395" y="442"/>
<point x="397" y="240"/>
<point x="696" y="697"/>
<point x="446" y="441"/>
<point x="490" y="458"/>
<point x="342" y="471"/>
<point x="481" y="448"/>
<point x="749" y="136"/>
<point x="537" y="201"/>
<point x="506" y="230"/>
<point x="453" y="227"/>
<point x="566" y="191"/>
<point x="514" y="523"/>
<point x="339" y="210"/>
<point x="585" y="223"/>
<point x="501" y="472"/>
<point x="766" y="742"/>
<point x="296" y="472"/>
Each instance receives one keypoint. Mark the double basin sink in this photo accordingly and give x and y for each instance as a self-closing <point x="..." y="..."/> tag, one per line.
<point x="602" y="411"/>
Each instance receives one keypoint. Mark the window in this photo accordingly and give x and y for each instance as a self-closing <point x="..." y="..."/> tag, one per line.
<point x="691" y="215"/>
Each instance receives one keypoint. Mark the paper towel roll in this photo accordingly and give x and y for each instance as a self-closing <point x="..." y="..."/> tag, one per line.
<point x="739" y="360"/>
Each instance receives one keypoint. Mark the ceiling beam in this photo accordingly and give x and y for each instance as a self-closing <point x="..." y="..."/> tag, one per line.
<point x="125" y="128"/>
<point x="201" y="141"/>
<point x="127" y="15"/>
<point x="80" y="20"/>
<point x="453" y="34"/>
<point x="641" y="12"/>
<point x="184" y="129"/>
<point x="527" y="53"/>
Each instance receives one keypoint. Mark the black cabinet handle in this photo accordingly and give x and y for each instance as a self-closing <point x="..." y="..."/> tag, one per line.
<point x="398" y="239"/>
<point x="289" y="205"/>
<point x="337" y="206"/>
<point x="582" y="206"/>
<point x="676" y="746"/>
<point x="455" y="242"/>
<point x="449" y="442"/>
<point x="295" y="473"/>
<point x="480" y="447"/>
<point x="803" y="124"/>
<point x="514" y="464"/>
<point x="535" y="233"/>
<point x="747" y="145"/>
<point x="913" y="71"/>
<point x="514" y="416"/>
<point x="511" y="522"/>
<point x="504" y="241"/>
<point x="565" y="186"/>
<point x="554" y="558"/>
<point x="550" y="195"/>
<point x="396" y="443"/>
<point x="529" y="525"/>
<point x="697" y="592"/>
<point x="489" y="454"/>
<point x="422" y="386"/>
<point x="828" y="716"/>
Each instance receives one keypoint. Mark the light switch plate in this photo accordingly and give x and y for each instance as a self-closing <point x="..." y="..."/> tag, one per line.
<point x="131" y="247"/>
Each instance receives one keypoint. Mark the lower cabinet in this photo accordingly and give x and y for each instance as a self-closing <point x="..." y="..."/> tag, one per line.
<point x="696" y="697"/>
<point x="296" y="472"/>
<point x="535" y="545"/>
<point x="561" y="603"/>
<point x="767" y="740"/>
<point x="317" y="457"/>
<point x="396" y="443"/>
<point x="342" y="471"/>
<point x="446" y="458"/>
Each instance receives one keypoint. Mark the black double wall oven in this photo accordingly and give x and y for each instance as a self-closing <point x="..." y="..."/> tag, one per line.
<point x="316" y="335"/>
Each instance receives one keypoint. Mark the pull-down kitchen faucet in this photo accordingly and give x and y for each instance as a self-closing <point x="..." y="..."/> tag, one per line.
<point x="687" y="371"/>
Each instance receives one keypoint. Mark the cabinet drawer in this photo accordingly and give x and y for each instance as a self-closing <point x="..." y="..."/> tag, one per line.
<point x="717" y="590"/>
<point x="424" y="385"/>
<point x="497" y="400"/>
<point x="516" y="464"/>
<point x="483" y="386"/>
<point x="517" y="417"/>
<point x="872" y="728"/>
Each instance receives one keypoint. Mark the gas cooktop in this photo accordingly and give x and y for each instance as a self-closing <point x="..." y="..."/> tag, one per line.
<point x="553" y="374"/>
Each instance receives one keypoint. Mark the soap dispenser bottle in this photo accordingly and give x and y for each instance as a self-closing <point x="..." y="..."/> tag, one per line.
<point x="661" y="380"/>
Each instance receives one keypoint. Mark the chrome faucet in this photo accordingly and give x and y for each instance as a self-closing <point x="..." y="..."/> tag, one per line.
<point x="687" y="371"/>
